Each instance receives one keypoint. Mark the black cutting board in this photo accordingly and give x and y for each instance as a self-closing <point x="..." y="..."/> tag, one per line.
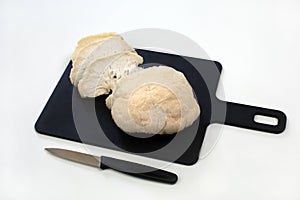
<point x="70" y="117"/>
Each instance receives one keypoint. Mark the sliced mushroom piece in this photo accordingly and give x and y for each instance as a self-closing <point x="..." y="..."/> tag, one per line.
<point x="92" y="39"/>
<point x="101" y="75"/>
<point x="107" y="47"/>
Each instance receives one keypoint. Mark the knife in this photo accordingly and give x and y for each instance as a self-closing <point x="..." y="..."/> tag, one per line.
<point x="126" y="167"/>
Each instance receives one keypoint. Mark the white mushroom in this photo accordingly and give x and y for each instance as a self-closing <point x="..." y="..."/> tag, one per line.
<point x="155" y="100"/>
<point x="86" y="41"/>
<point x="107" y="46"/>
<point x="101" y="75"/>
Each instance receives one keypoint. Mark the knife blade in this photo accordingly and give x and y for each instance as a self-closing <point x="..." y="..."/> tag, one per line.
<point x="126" y="167"/>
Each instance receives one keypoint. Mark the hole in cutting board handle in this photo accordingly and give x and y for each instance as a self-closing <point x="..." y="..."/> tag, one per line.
<point x="273" y="121"/>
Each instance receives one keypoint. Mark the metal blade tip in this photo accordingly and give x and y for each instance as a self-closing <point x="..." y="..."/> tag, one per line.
<point x="75" y="156"/>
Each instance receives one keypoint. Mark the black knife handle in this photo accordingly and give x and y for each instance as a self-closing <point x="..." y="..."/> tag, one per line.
<point x="138" y="170"/>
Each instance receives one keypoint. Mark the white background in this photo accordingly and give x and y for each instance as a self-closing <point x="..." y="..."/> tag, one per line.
<point x="257" y="43"/>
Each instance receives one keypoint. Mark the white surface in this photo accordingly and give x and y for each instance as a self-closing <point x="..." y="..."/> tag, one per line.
<point x="257" y="43"/>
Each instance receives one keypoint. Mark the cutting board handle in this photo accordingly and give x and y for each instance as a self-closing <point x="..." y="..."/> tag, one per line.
<point x="243" y="116"/>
